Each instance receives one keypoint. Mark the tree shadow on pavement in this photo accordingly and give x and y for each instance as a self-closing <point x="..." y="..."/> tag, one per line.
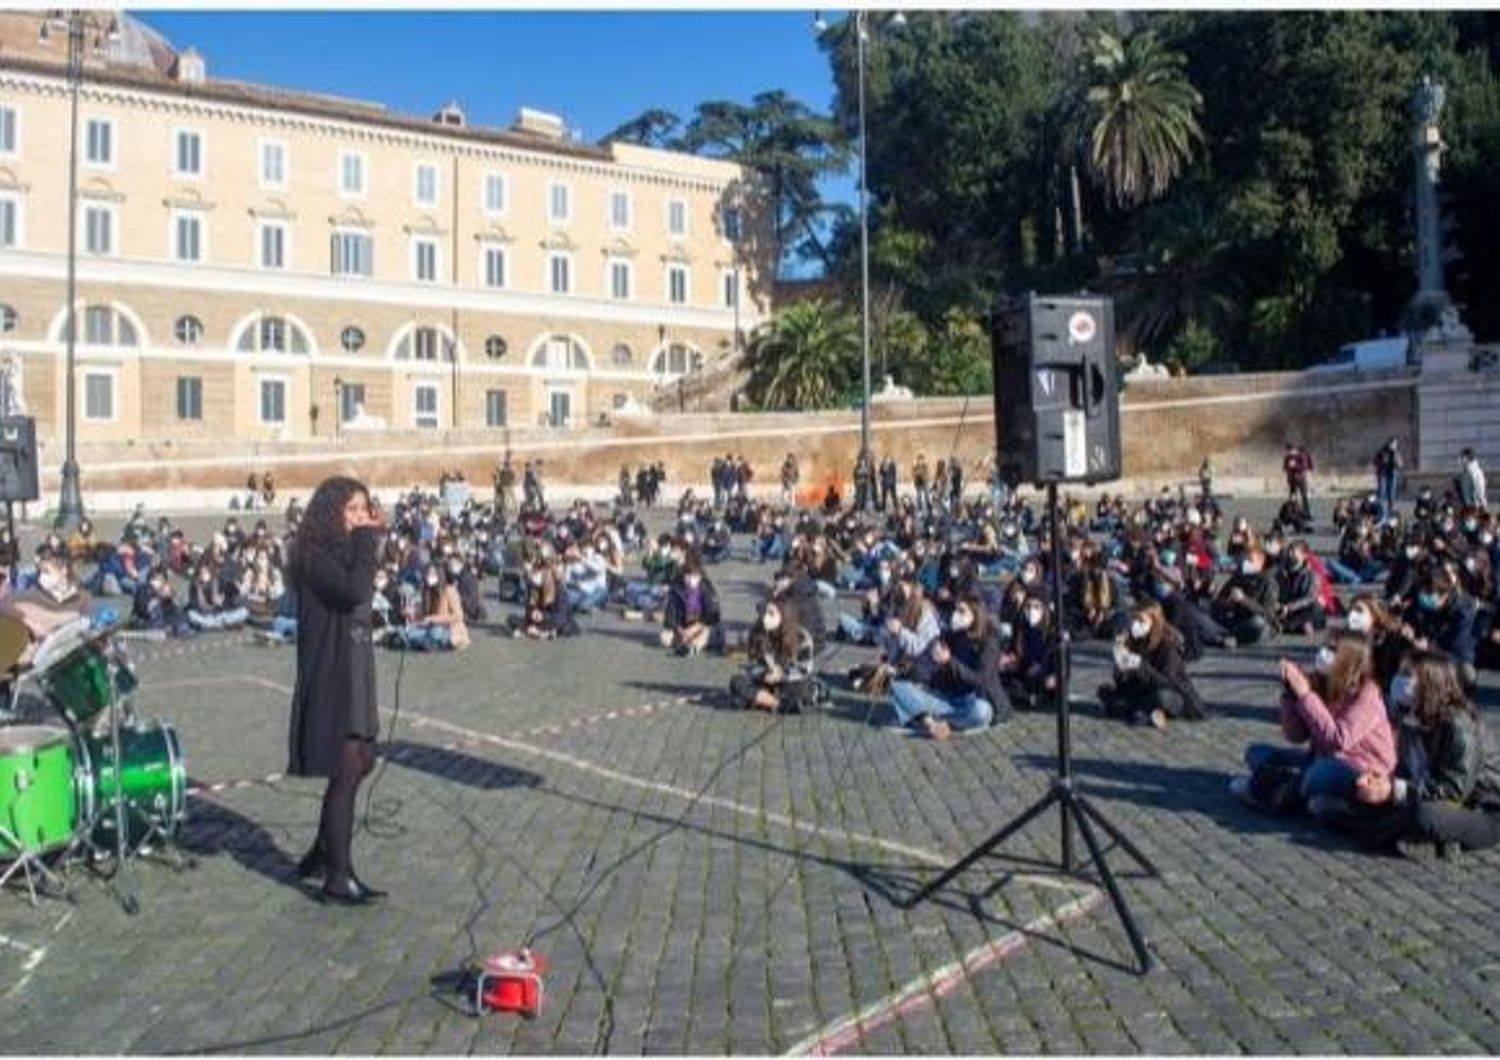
<point x="448" y="764"/>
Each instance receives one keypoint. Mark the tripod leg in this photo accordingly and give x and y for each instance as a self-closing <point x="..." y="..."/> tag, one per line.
<point x="984" y="848"/>
<point x="1087" y="807"/>
<point x="1142" y="954"/>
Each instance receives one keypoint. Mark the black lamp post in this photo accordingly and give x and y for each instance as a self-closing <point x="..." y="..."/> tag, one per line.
<point x="338" y="407"/>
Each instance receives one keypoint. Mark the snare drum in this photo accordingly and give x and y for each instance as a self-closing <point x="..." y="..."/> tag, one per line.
<point x="78" y="683"/>
<point x="152" y="781"/>
<point x="38" y="807"/>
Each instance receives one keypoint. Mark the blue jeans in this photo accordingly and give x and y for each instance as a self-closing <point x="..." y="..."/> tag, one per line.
<point x="1385" y="492"/>
<point x="586" y="599"/>
<point x="284" y="627"/>
<point x="857" y="630"/>
<point x="425" y="636"/>
<point x="1321" y="774"/>
<point x="773" y="547"/>
<point x="968" y="710"/>
<point x="826" y="590"/>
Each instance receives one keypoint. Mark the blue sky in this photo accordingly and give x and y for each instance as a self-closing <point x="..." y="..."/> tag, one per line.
<point x="596" y="69"/>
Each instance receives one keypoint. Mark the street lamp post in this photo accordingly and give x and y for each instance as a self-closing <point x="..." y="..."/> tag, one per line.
<point x="338" y="408"/>
<point x="860" y="39"/>
<point x="76" y="24"/>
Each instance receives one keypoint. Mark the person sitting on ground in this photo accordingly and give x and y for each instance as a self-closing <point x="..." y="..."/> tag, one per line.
<point x="1368" y="615"/>
<point x="117" y="572"/>
<point x="439" y="625"/>
<point x="1446" y="795"/>
<point x="209" y="608"/>
<point x="262" y="586"/>
<point x="874" y="608"/>
<point x="462" y="575"/>
<point x="1028" y="666"/>
<point x="645" y="596"/>
<point x="1339" y="714"/>
<point x="779" y="654"/>
<point x="156" y="607"/>
<point x="1246" y="602"/>
<point x="961" y="690"/>
<point x="691" y="621"/>
<point x="1443" y="619"/>
<point x="1300" y="605"/>
<point x="1151" y="682"/>
<point x="586" y="577"/>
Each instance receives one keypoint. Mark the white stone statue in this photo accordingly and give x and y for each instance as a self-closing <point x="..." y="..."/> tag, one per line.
<point x="890" y="391"/>
<point x="363" y="421"/>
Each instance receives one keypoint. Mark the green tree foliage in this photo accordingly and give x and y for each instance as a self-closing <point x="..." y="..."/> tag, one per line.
<point x="651" y="128"/>
<point x="806" y="357"/>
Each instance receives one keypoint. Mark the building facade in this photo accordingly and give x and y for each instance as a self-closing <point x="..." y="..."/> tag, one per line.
<point x="258" y="263"/>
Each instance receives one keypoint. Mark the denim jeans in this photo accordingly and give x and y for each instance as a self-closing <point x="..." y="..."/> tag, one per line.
<point x="857" y="630"/>
<point x="773" y="547"/>
<point x="826" y="590"/>
<point x="426" y="636"/>
<point x="968" y="710"/>
<point x="586" y="599"/>
<point x="1321" y="774"/>
<point x="284" y="627"/>
<point x="1343" y="574"/>
<point x="1385" y="492"/>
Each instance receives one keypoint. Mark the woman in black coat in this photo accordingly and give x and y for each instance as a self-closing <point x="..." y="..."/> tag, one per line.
<point x="334" y="720"/>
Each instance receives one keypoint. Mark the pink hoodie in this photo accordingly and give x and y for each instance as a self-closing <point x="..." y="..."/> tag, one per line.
<point x="1359" y="734"/>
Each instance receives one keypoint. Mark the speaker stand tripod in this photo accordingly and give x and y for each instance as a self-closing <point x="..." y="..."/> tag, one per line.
<point x="1072" y="804"/>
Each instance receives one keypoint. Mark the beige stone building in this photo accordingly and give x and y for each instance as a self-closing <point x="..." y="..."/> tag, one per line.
<point x="260" y="263"/>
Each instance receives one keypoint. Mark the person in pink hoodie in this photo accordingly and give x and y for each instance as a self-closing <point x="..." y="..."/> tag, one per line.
<point x="1338" y="713"/>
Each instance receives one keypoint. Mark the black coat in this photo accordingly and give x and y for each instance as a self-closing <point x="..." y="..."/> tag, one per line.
<point x="335" y="694"/>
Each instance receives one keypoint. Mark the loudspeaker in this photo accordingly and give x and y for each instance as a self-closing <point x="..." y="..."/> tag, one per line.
<point x="1057" y="402"/>
<point x="18" y="473"/>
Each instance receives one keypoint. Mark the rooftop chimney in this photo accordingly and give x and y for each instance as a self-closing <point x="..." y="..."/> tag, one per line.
<point x="451" y="115"/>
<point x="541" y="123"/>
<point x="191" y="68"/>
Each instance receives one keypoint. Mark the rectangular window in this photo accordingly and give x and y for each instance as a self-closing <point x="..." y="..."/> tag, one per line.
<point x="619" y="279"/>
<point x="677" y="218"/>
<point x="99" y="229"/>
<point x="425" y="344"/>
<point x="272" y="245"/>
<point x="424" y="255"/>
<point x="495" y="408"/>
<point x="732" y="223"/>
<point x="272" y="164"/>
<point x="494" y="267"/>
<point x="426" y="189"/>
<point x="353" y="254"/>
<point x="99" y="142"/>
<point x="351" y="173"/>
<point x="187" y="236"/>
<point x="10" y="140"/>
<point x="10" y="221"/>
<point x="425" y="405"/>
<point x="98" y="396"/>
<point x="189" y="158"/>
<point x="494" y="193"/>
<point x="731" y="290"/>
<point x="351" y="400"/>
<point x="98" y="325"/>
<point x="273" y="402"/>
<point x="558" y="206"/>
<point x="677" y="284"/>
<point x="619" y="210"/>
<point x="561" y="268"/>
<point x="189" y="397"/>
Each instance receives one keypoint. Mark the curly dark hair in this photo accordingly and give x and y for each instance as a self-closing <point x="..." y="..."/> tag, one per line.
<point x="322" y="527"/>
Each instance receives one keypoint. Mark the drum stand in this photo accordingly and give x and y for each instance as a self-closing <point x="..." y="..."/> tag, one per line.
<point x="27" y="861"/>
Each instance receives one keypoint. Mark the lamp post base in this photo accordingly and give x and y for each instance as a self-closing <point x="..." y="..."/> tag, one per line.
<point x="70" y="500"/>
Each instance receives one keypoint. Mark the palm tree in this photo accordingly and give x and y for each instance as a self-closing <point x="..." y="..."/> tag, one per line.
<point x="1140" y="115"/>
<point x="805" y="357"/>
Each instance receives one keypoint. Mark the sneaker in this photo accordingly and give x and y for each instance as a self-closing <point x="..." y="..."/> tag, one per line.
<point x="938" y="729"/>
<point x="1239" y="787"/>
<point x="1230" y="643"/>
<point x="1158" y="719"/>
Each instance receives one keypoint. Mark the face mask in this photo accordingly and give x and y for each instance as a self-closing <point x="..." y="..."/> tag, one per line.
<point x="1029" y="576"/>
<point x="1404" y="691"/>
<point x="1169" y="558"/>
<point x="961" y="620"/>
<point x="1033" y="616"/>
<point x="537" y="577"/>
<point x="771" y="620"/>
<point x="1429" y="601"/>
<point x="1323" y="661"/>
<point x="432" y="581"/>
<point x="1273" y="550"/>
<point x="885" y="577"/>
<point x="1360" y="621"/>
<point x="381" y="583"/>
<point x="693" y="581"/>
<point x="953" y="574"/>
<point x="1470" y="525"/>
<point x="1140" y="628"/>
<point x="1248" y="567"/>
<point x="1486" y="539"/>
<point x="1412" y="551"/>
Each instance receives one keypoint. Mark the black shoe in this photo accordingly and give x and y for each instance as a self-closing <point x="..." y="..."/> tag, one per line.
<point x="312" y="864"/>
<point x="373" y="892"/>
<point x="352" y="893"/>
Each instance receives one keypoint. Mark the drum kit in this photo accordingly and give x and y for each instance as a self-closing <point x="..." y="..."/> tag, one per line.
<point x="106" y="786"/>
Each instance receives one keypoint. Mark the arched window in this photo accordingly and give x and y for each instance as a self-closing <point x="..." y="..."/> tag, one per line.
<point x="272" y="334"/>
<point x="495" y="347"/>
<point x="8" y="319"/>
<point x="424" y="344"/>
<point x="188" y="330"/>
<point x="620" y="356"/>
<point x="352" y="339"/>
<point x="560" y="353"/>
<point x="104" y="325"/>
<point x="676" y="359"/>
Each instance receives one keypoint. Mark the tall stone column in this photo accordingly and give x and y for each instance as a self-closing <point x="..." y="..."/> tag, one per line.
<point x="1432" y="319"/>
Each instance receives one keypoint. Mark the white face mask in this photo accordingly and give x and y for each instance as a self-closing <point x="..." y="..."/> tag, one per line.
<point x="693" y="581"/>
<point x="432" y="581"/>
<point x="1140" y="628"/>
<point x="962" y="619"/>
<point x="1360" y="620"/>
<point x="1034" y="616"/>
<point x="537" y="577"/>
<point x="1248" y="567"/>
<point x="1323" y="661"/>
<point x="771" y="620"/>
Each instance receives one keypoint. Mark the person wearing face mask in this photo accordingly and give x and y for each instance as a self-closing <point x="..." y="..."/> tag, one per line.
<point x="1443" y="618"/>
<point x="794" y="589"/>
<point x="1341" y="717"/>
<point x="1470" y="483"/>
<point x="54" y="601"/>
<point x="1300" y="605"/>
<point x="877" y="602"/>
<point x="1246" y="602"/>
<point x="1445" y="793"/>
<point x="643" y="596"/>
<point x="691" y="618"/>
<point x="587" y="578"/>
<point x="545" y="613"/>
<point x="208" y="606"/>
<point x="1028" y="666"/>
<point x="156" y="607"/>
<point x="1370" y="617"/>
<point x="962" y="690"/>
<point x="780" y="659"/>
<point x="1151" y="681"/>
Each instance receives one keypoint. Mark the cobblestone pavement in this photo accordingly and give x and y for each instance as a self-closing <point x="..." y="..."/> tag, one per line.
<point x="707" y="881"/>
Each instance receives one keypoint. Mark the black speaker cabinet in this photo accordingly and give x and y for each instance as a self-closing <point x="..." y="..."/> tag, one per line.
<point x="18" y="475"/>
<point x="1057" y="403"/>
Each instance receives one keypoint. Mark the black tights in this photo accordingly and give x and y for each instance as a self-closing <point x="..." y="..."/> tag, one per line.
<point x="336" y="824"/>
